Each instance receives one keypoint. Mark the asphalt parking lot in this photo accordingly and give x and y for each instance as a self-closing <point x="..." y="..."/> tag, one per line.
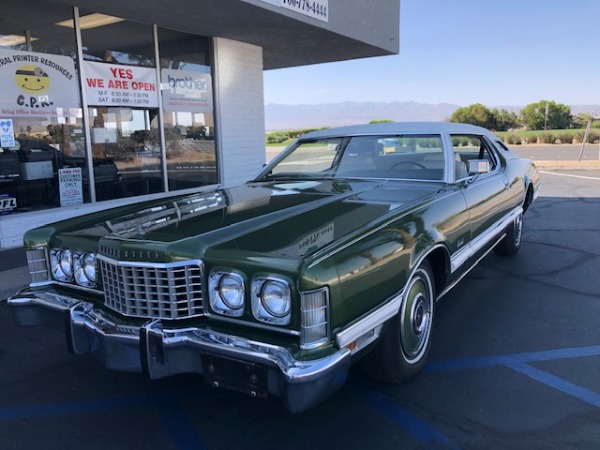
<point x="515" y="364"/>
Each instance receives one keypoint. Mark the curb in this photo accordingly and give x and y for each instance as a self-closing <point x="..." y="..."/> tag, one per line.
<point x="568" y="165"/>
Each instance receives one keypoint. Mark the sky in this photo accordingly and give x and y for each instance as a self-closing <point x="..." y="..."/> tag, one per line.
<point x="494" y="52"/>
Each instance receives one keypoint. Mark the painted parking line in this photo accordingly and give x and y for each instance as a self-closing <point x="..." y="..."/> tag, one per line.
<point x="427" y="435"/>
<point x="574" y="390"/>
<point x="570" y="175"/>
<point x="68" y="408"/>
<point x="518" y="362"/>
<point x="503" y="360"/>
<point x="419" y="429"/>
<point x="181" y="429"/>
<point x="175" y="419"/>
<point x="184" y="434"/>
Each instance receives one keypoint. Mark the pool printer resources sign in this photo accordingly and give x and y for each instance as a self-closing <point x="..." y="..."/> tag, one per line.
<point x="37" y="85"/>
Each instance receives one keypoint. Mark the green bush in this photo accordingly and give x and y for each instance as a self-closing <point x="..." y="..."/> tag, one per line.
<point x="277" y="137"/>
<point x="512" y="139"/>
<point x="565" y="137"/>
<point x="593" y="137"/>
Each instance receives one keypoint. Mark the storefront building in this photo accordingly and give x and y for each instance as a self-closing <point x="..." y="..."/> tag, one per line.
<point x="122" y="101"/>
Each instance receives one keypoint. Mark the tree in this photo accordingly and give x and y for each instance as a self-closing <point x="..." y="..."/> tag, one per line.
<point x="533" y="116"/>
<point x="382" y="121"/>
<point x="581" y="120"/>
<point x="475" y="114"/>
<point x="504" y="120"/>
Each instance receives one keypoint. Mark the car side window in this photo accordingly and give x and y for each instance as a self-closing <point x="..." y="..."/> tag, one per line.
<point x="467" y="147"/>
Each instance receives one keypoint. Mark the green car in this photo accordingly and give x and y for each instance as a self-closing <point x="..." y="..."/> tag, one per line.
<point x="336" y="252"/>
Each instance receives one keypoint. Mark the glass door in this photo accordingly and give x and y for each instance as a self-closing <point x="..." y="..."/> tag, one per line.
<point x="126" y="152"/>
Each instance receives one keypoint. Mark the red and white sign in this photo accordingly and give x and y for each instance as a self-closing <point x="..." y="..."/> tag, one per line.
<point x="114" y="85"/>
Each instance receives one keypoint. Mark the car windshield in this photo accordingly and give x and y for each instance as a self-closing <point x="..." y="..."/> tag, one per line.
<point x="417" y="157"/>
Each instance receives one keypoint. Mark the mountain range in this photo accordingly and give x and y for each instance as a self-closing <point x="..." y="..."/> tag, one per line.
<point x="288" y="117"/>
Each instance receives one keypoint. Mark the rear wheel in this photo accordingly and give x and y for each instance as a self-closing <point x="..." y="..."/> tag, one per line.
<point x="405" y="343"/>
<point x="512" y="241"/>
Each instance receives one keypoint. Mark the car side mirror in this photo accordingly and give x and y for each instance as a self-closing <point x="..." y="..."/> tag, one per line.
<point x="477" y="166"/>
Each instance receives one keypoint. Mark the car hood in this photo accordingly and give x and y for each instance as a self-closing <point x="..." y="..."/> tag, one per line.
<point x="288" y="219"/>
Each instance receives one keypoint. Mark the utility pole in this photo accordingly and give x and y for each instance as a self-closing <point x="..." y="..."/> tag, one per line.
<point x="585" y="137"/>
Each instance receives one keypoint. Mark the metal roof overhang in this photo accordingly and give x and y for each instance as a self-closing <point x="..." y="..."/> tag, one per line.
<point x="356" y="29"/>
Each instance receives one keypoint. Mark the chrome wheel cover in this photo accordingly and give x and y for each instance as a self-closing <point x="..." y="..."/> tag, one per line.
<point x="416" y="317"/>
<point x="518" y="224"/>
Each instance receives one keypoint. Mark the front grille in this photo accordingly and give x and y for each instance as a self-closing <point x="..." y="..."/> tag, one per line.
<point x="150" y="290"/>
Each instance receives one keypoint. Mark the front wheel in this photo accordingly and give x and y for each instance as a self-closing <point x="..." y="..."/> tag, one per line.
<point x="511" y="243"/>
<point x="405" y="343"/>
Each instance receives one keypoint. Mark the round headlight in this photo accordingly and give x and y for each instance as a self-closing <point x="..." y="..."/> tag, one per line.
<point x="231" y="291"/>
<point x="61" y="262"/>
<point x="66" y="263"/>
<point x="226" y="292"/>
<point x="276" y="298"/>
<point x="85" y="269"/>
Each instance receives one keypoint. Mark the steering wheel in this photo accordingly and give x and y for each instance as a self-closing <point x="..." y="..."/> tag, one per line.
<point x="413" y="163"/>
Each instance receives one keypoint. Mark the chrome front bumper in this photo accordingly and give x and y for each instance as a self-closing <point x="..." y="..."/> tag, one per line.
<point x="256" y="368"/>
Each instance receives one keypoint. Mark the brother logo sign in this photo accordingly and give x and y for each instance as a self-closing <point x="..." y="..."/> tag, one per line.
<point x="187" y="83"/>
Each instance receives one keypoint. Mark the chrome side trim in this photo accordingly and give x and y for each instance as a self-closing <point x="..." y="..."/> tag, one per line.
<point x="462" y="255"/>
<point x="370" y="322"/>
<point x="464" y="274"/>
<point x="536" y="190"/>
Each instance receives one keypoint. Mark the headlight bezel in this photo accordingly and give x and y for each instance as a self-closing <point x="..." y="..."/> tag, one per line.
<point x="85" y="272"/>
<point x="61" y="264"/>
<point x="217" y="298"/>
<point x="263" y="309"/>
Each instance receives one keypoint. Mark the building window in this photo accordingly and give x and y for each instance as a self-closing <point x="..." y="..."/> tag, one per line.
<point x="45" y="160"/>
<point x="122" y="93"/>
<point x="42" y="148"/>
<point x="113" y="40"/>
<point x="187" y="100"/>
